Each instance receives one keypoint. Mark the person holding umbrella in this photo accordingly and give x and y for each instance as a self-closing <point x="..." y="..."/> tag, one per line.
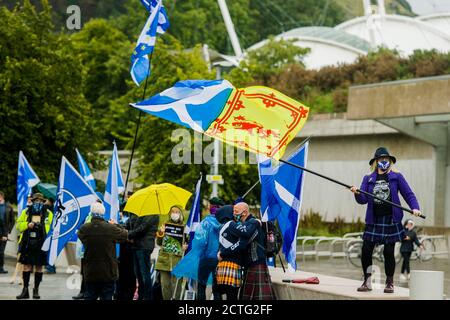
<point x="383" y="221"/>
<point x="146" y="205"/>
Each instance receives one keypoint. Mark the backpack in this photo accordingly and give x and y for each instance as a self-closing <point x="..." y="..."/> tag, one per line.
<point x="274" y="240"/>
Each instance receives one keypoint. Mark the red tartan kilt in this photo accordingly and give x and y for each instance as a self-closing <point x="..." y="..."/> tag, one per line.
<point x="257" y="284"/>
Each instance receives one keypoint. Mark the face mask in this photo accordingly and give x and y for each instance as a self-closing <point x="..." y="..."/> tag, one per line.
<point x="37" y="207"/>
<point x="384" y="165"/>
<point x="213" y="209"/>
<point x="238" y="217"/>
<point x="174" y="216"/>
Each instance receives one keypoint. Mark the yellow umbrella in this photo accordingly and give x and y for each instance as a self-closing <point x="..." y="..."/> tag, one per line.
<point x="157" y="199"/>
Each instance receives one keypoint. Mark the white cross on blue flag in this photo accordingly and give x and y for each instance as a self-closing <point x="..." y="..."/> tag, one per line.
<point x="114" y="186"/>
<point x="194" y="215"/>
<point x="85" y="171"/>
<point x="73" y="204"/>
<point x="26" y="179"/>
<point x="157" y="22"/>
<point x="281" y="198"/>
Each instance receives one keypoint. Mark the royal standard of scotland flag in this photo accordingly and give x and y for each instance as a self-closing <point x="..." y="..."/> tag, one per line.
<point x="281" y="198"/>
<point x="114" y="186"/>
<point x="85" y="171"/>
<point x="257" y="119"/>
<point x="72" y="206"/>
<point x="26" y="179"/>
<point x="194" y="215"/>
<point x="157" y="22"/>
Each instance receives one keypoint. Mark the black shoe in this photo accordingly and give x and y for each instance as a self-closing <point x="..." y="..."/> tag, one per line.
<point x="36" y="293"/>
<point x="366" y="286"/>
<point x="24" y="294"/>
<point x="3" y="271"/>
<point x="79" y="296"/>
<point x="389" y="285"/>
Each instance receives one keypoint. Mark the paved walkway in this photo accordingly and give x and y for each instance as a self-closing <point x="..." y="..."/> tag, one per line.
<point x="60" y="286"/>
<point x="53" y="286"/>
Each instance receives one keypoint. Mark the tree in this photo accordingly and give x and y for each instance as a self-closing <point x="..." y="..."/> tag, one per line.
<point x="43" y="111"/>
<point x="266" y="62"/>
<point x="105" y="53"/>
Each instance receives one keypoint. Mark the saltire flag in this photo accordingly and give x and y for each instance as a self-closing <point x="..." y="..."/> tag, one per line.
<point x="194" y="215"/>
<point x="257" y="119"/>
<point x="72" y="206"/>
<point x="114" y="186"/>
<point x="281" y="198"/>
<point x="85" y="171"/>
<point x="26" y="179"/>
<point x="157" y="22"/>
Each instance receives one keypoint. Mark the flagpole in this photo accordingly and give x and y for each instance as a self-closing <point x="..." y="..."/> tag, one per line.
<point x="295" y="149"/>
<point x="137" y="129"/>
<point x="349" y="187"/>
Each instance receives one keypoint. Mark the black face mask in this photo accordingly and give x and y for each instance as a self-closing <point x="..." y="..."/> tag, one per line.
<point x="37" y="208"/>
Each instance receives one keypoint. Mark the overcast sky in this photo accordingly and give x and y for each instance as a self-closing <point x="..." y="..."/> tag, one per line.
<point x="429" y="6"/>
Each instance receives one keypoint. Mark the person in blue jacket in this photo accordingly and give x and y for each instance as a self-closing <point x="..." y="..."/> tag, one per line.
<point x="200" y="262"/>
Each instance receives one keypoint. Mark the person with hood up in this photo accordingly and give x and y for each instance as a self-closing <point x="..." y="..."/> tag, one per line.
<point x="200" y="262"/>
<point x="170" y="254"/>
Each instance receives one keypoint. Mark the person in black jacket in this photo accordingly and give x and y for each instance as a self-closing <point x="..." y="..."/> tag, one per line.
<point x="142" y="236"/>
<point x="407" y="248"/>
<point x="232" y="249"/>
<point x="100" y="266"/>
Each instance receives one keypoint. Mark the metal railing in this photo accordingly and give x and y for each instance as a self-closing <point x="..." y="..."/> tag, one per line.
<point x="314" y="246"/>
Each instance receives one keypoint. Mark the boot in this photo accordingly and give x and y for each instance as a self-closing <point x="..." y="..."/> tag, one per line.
<point x="79" y="296"/>
<point x="26" y="280"/>
<point x="389" y="285"/>
<point x="366" y="286"/>
<point x="24" y="295"/>
<point x="36" y="293"/>
<point x="37" y="282"/>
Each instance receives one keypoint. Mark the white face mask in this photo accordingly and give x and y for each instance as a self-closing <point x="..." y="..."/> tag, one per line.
<point x="175" y="217"/>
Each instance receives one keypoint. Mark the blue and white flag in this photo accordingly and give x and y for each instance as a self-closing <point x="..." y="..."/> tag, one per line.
<point x="26" y="179"/>
<point x="157" y="22"/>
<point x="72" y="206"/>
<point x="85" y="171"/>
<point x="191" y="103"/>
<point x="281" y="198"/>
<point x="163" y="21"/>
<point x="194" y="215"/>
<point x="114" y="186"/>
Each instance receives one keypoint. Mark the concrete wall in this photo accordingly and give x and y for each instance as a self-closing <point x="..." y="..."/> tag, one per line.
<point x="400" y="98"/>
<point x="346" y="157"/>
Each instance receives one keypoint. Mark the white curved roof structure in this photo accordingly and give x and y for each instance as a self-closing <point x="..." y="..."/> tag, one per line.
<point x="440" y="21"/>
<point x="328" y="45"/>
<point x="402" y="33"/>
